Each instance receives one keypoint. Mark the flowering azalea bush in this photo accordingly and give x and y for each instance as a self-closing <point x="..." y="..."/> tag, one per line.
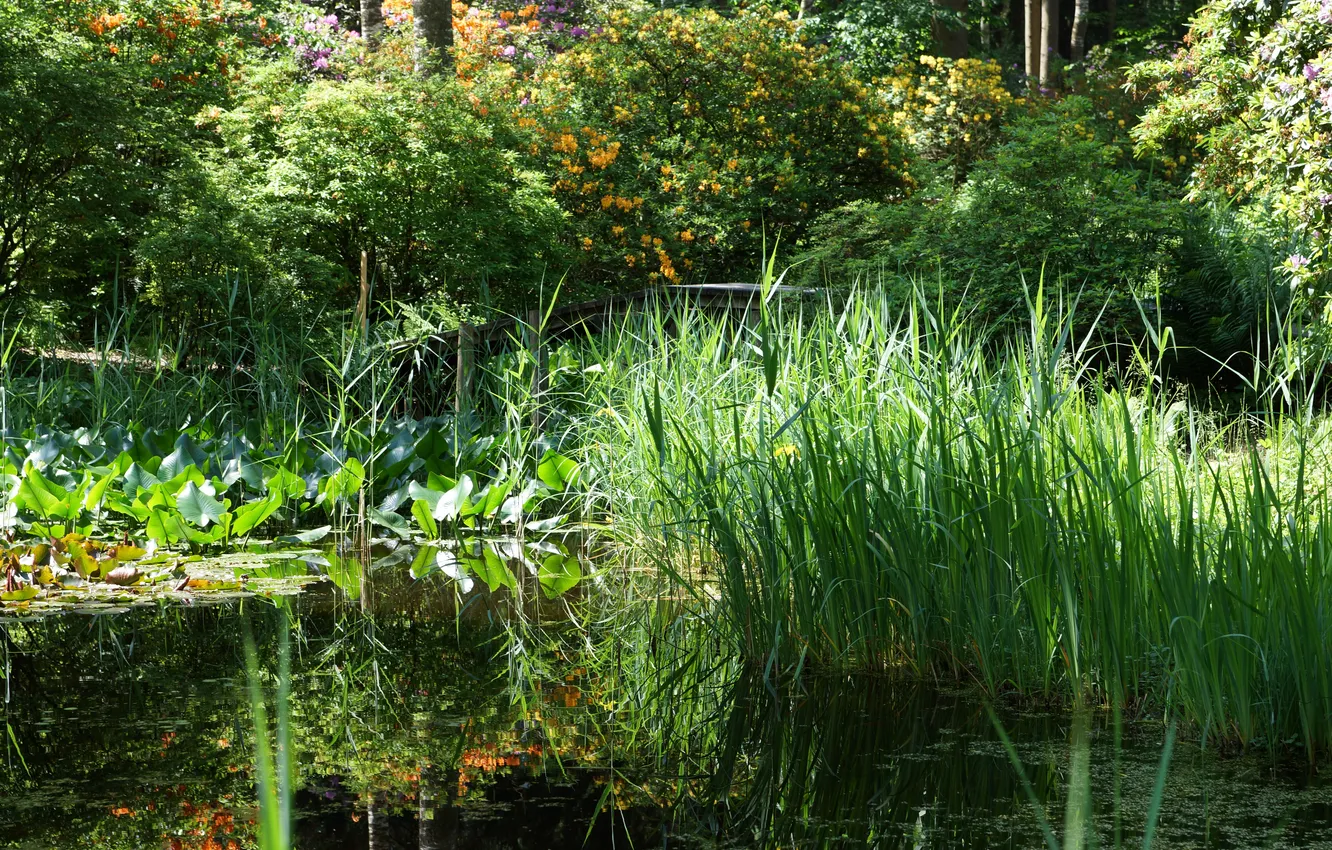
<point x="675" y="138"/>
<point x="321" y="46"/>
<point x="1252" y="88"/>
<point x="949" y="109"/>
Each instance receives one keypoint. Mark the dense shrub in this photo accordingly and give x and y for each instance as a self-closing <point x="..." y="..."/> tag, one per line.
<point x="395" y="165"/>
<point x="1252" y="87"/>
<point x="1058" y="196"/>
<point x="674" y="138"/>
<point x="949" y="109"/>
<point x="94" y="120"/>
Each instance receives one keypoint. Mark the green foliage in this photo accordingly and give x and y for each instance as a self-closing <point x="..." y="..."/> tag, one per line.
<point x="398" y="166"/>
<point x="876" y="35"/>
<point x="1252" y="88"/>
<point x="904" y="499"/>
<point x="950" y="110"/>
<point x="674" y="138"/>
<point x="1059" y="194"/>
<point x="220" y="487"/>
<point x="67" y="194"/>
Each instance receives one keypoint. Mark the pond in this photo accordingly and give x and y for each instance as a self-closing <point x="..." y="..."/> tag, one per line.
<point x="424" y="718"/>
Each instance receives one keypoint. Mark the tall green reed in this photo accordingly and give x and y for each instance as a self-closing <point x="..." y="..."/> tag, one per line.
<point x="886" y="490"/>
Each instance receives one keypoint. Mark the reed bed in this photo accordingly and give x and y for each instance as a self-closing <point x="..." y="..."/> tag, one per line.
<point x="868" y="488"/>
<point x="863" y="486"/>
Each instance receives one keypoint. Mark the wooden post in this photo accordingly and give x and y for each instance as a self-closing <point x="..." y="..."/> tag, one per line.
<point x="462" y="396"/>
<point x="537" y="349"/>
<point x="363" y="304"/>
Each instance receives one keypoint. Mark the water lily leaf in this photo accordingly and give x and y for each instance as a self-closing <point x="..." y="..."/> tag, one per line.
<point x="346" y="574"/>
<point x="287" y="483"/>
<point x="127" y="552"/>
<point x="122" y="576"/>
<point x="559" y="574"/>
<point x="198" y="507"/>
<point x="455" y="569"/>
<point x="22" y="594"/>
<point x="166" y="526"/>
<point x="393" y="522"/>
<point x="251" y="514"/>
<point x="39" y="495"/>
<point x="494" y="497"/>
<point x="314" y="535"/>
<point x="557" y="471"/>
<point x="451" y="504"/>
<point x="346" y="482"/>
<point x="493" y="571"/>
<point x="421" y="513"/>
<point x="137" y="478"/>
<point x="97" y="493"/>
<point x="425" y="562"/>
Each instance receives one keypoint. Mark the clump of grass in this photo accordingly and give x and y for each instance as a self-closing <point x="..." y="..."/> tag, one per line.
<point x="858" y="489"/>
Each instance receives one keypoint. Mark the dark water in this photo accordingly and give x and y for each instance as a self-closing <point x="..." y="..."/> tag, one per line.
<point x="416" y="728"/>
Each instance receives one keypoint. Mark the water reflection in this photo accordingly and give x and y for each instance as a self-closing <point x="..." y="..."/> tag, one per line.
<point x="411" y="731"/>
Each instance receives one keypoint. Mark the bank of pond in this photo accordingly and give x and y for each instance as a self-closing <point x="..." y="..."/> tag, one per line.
<point x="838" y="575"/>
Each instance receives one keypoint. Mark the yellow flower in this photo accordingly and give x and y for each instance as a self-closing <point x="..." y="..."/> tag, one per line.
<point x="788" y="450"/>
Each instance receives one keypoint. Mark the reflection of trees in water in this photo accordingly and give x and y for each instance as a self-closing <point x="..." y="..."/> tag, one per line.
<point x="408" y="735"/>
<point x="383" y="711"/>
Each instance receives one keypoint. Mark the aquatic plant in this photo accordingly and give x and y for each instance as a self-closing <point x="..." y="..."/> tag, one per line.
<point x="860" y="489"/>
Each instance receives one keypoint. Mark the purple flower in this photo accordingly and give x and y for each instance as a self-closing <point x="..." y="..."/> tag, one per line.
<point x="1311" y="72"/>
<point x="559" y="26"/>
<point x="321" y="63"/>
<point x="1325" y="199"/>
<point x="1297" y="261"/>
<point x="1284" y="88"/>
<point x="309" y="26"/>
<point x="577" y="32"/>
<point x="1326" y="98"/>
<point x="502" y="24"/>
<point x="509" y="51"/>
<point x="526" y="101"/>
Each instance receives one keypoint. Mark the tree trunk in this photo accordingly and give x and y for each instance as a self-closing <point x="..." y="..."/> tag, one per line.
<point x="434" y="35"/>
<point x="1033" y="34"/>
<point x="436" y="816"/>
<point x="1078" y="43"/>
<point x="1111" y="12"/>
<point x="1049" y="38"/>
<point x="950" y="37"/>
<point x="806" y="8"/>
<point x="372" y="20"/>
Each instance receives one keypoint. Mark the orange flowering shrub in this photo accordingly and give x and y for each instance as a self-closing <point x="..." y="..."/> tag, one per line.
<point x="193" y="48"/>
<point x="675" y="138"/>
